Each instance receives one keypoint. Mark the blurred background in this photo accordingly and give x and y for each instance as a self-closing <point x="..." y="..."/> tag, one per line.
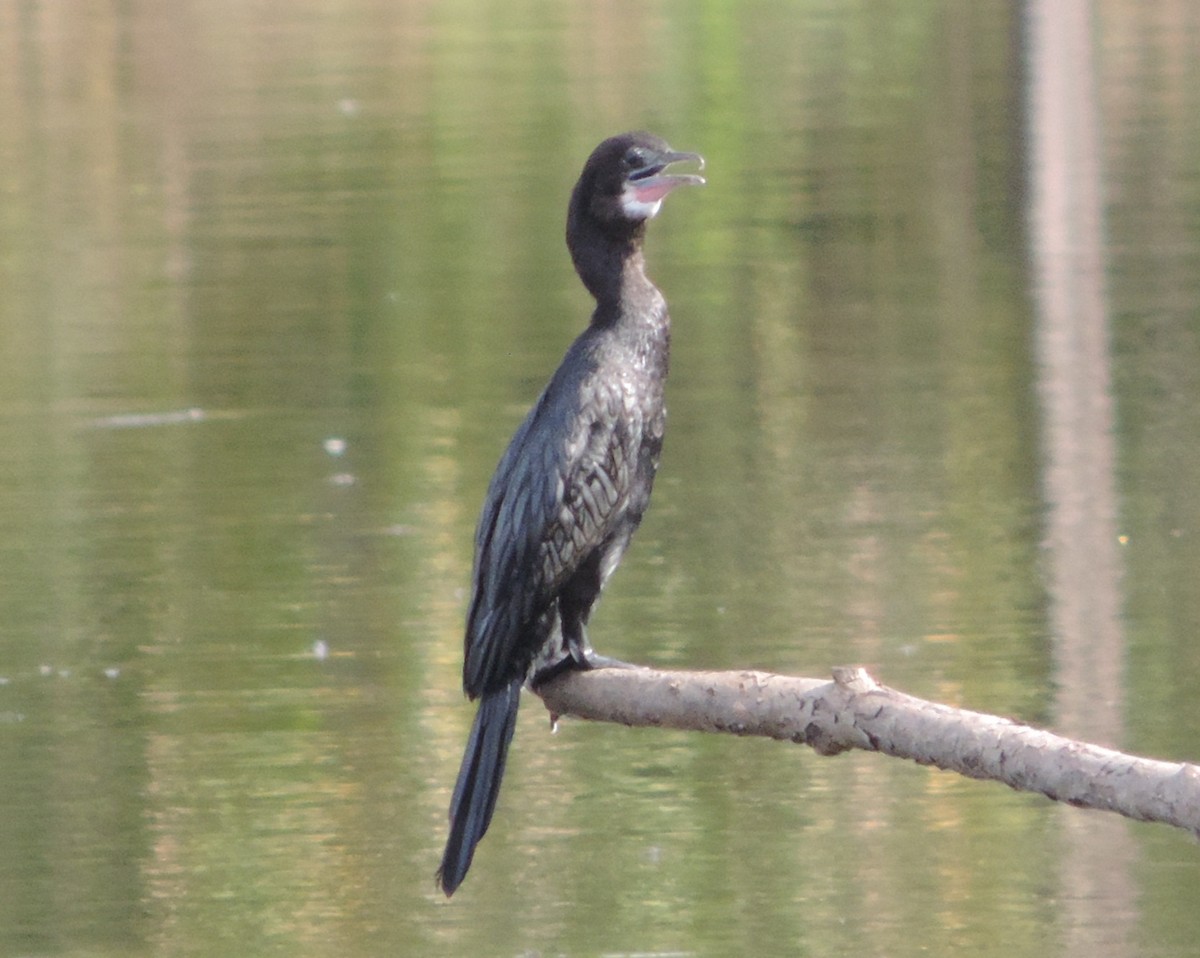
<point x="277" y="282"/>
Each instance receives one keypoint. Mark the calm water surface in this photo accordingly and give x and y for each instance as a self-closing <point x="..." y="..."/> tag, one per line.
<point x="277" y="284"/>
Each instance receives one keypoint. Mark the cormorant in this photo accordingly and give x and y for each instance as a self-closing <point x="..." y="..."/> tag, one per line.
<point x="575" y="479"/>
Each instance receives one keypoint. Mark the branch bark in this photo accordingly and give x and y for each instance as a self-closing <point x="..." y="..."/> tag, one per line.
<point x="855" y="711"/>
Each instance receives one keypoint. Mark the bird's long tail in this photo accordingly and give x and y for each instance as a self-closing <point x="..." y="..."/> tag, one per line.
<point x="479" y="781"/>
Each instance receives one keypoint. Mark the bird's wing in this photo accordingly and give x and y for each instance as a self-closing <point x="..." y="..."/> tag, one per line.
<point x="552" y="501"/>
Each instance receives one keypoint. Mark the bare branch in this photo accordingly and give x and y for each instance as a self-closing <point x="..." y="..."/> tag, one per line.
<point x="854" y="711"/>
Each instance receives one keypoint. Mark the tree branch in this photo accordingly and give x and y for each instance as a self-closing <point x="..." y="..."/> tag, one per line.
<point x="854" y="711"/>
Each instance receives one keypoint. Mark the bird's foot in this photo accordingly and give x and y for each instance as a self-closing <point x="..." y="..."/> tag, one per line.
<point x="578" y="660"/>
<point x="552" y="670"/>
<point x="594" y="661"/>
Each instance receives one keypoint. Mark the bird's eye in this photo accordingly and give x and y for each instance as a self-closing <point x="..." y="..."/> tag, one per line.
<point x="635" y="158"/>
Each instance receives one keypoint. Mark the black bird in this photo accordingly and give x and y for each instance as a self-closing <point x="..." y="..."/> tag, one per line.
<point x="576" y="477"/>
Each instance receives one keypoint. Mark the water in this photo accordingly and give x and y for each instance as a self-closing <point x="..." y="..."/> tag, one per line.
<point x="276" y="286"/>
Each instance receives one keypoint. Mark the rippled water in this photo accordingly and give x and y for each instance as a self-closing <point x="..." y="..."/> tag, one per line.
<point x="278" y="284"/>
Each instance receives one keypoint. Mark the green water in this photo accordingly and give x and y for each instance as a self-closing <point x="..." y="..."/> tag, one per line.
<point x="277" y="283"/>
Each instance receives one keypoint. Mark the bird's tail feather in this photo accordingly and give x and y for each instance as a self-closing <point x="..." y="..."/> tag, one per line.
<point x="479" y="781"/>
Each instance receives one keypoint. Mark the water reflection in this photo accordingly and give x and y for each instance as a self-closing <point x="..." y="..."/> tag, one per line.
<point x="1075" y="385"/>
<point x="310" y="226"/>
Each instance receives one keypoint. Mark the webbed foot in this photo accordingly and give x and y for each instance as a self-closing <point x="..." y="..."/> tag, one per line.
<point x="581" y="660"/>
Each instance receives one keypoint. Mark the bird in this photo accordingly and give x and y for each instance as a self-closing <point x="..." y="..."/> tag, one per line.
<point x="575" y="480"/>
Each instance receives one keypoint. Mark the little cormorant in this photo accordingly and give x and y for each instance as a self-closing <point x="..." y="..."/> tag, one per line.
<point x="575" y="479"/>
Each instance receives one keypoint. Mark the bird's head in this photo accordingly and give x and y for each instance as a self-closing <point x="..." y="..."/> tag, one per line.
<point x="625" y="179"/>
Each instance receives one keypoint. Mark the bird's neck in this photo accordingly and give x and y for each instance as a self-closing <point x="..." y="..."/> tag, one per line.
<point x="613" y="269"/>
<point x="631" y="314"/>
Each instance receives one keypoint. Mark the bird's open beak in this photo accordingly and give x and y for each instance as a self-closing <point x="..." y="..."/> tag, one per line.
<point x="651" y="184"/>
